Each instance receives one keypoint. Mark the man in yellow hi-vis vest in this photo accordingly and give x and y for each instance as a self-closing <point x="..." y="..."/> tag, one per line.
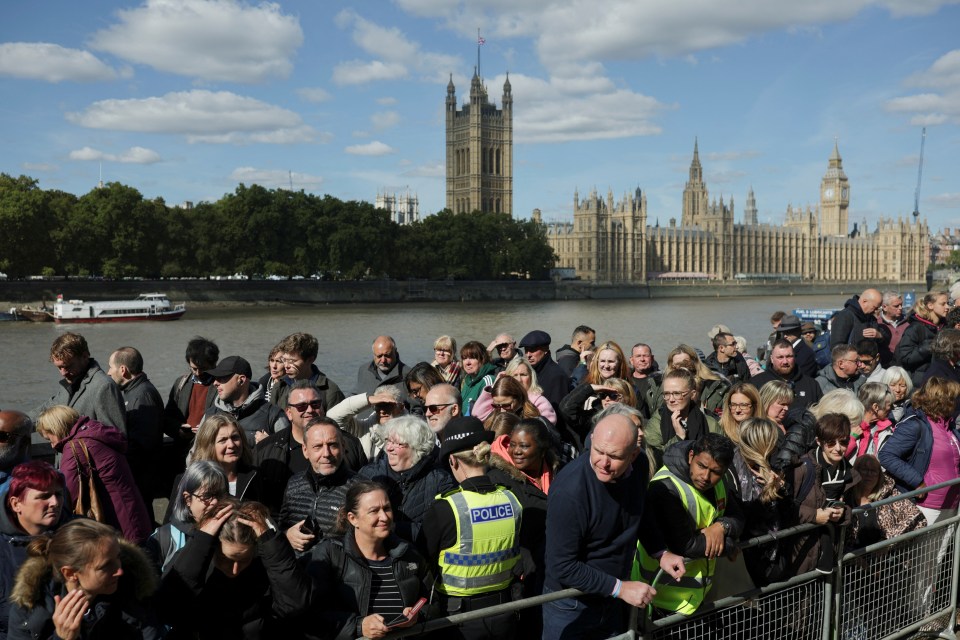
<point x="689" y="508"/>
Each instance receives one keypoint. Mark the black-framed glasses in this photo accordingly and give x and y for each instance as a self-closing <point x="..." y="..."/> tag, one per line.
<point x="316" y="405"/>
<point x="205" y="498"/>
<point x="437" y="408"/>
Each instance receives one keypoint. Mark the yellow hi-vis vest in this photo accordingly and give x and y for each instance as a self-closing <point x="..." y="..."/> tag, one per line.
<point x="488" y="542"/>
<point x="686" y="595"/>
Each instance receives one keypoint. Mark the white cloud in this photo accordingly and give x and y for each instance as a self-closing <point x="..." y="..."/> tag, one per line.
<point x="385" y="119"/>
<point x="431" y="170"/>
<point x="39" y="166"/>
<point x="943" y="73"/>
<point x="549" y="113"/>
<point x="395" y="55"/>
<point x="375" y="148"/>
<point x="51" y="63"/>
<point x="219" y="40"/>
<point x="133" y="155"/>
<point x="204" y="116"/>
<point x="314" y="94"/>
<point x="362" y="72"/>
<point x="275" y="178"/>
<point x="928" y="108"/>
<point x="386" y="101"/>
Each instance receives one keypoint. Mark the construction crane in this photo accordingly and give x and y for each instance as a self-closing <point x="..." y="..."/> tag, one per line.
<point x="916" y="194"/>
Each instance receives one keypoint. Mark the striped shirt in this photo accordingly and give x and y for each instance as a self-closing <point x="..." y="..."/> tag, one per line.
<point x="384" y="591"/>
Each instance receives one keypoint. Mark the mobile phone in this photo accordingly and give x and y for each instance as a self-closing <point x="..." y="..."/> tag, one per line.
<point x="309" y="527"/>
<point x="835" y="504"/>
<point x="413" y="614"/>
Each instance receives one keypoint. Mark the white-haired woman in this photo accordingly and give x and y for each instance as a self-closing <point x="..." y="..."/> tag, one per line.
<point x="408" y="470"/>
<point x="901" y="385"/>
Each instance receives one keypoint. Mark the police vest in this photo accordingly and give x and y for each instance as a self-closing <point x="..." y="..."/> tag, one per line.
<point x="686" y="595"/>
<point x="487" y="546"/>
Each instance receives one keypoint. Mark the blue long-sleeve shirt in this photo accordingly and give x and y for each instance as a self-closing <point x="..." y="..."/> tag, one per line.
<point x="592" y="527"/>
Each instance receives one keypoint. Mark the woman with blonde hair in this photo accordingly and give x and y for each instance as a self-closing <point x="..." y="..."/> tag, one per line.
<point x="522" y="372"/>
<point x="741" y="403"/>
<point x="445" y="360"/>
<point x="578" y="407"/>
<point x="775" y="399"/>
<point x="490" y="561"/>
<point x="220" y="439"/>
<point x="83" y="582"/>
<point x="711" y="386"/>
<point x="506" y="394"/>
<point x="914" y="349"/>
<point x="607" y="362"/>
<point x="93" y="459"/>
<point x="760" y="490"/>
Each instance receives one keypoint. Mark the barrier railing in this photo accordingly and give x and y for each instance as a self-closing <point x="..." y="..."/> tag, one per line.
<point x="887" y="590"/>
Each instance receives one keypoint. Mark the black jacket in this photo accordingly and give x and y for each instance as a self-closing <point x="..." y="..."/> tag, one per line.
<point x="144" y="407"/>
<point x="369" y="377"/>
<point x="327" y="388"/>
<point x="913" y="351"/>
<point x="255" y="414"/>
<point x="735" y="369"/>
<point x="806" y="391"/>
<point x="551" y="378"/>
<point x="279" y="457"/>
<point x="319" y="498"/>
<point x="568" y="358"/>
<point x="200" y="601"/>
<point x="411" y="492"/>
<point x="341" y="580"/>
<point x="848" y="325"/>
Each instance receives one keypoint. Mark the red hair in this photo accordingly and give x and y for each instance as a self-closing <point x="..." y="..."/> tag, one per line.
<point x="37" y="475"/>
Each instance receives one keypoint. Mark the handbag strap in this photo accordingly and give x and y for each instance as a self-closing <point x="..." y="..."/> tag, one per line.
<point x="86" y="456"/>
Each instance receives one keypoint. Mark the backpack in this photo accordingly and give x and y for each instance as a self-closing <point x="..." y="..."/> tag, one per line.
<point x="821" y="349"/>
<point x="170" y="540"/>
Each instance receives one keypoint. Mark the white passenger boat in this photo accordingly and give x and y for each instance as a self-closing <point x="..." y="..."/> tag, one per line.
<point x="147" y="306"/>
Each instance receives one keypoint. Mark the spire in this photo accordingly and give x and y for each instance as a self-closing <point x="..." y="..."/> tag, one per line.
<point x="696" y="151"/>
<point x="450" y="87"/>
<point x="696" y="171"/>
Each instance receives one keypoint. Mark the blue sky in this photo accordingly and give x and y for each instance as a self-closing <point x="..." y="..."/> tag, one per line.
<point x="185" y="99"/>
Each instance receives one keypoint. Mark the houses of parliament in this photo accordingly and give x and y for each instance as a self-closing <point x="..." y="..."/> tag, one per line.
<point x="611" y="241"/>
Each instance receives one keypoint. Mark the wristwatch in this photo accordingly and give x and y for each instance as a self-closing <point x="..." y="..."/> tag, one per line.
<point x="726" y="527"/>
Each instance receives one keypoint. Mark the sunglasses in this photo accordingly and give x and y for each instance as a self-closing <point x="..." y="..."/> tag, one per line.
<point x="7" y="436"/>
<point x="609" y="395"/>
<point x="384" y="407"/>
<point x="502" y="407"/>
<point x="437" y="408"/>
<point x="316" y="405"/>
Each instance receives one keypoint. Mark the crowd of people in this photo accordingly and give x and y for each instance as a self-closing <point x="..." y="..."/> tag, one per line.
<point x="481" y="475"/>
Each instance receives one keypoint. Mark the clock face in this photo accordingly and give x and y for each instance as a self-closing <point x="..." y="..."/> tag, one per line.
<point x="845" y="193"/>
<point x="828" y="193"/>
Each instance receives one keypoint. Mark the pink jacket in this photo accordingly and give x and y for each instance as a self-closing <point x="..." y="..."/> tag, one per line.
<point x="484" y="406"/>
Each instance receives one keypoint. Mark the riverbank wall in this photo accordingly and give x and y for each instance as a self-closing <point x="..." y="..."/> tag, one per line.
<point x="254" y="292"/>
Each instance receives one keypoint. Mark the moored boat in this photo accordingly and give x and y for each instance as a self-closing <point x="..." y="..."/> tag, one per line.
<point x="34" y="314"/>
<point x="147" y="306"/>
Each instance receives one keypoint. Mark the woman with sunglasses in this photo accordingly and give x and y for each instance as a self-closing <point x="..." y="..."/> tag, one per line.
<point x="818" y="485"/>
<point x="579" y="407"/>
<point x="522" y="372"/>
<point x="408" y="471"/>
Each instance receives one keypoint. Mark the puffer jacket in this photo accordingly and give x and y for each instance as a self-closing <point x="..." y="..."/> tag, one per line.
<point x="125" y="615"/>
<point x="411" y="492"/>
<point x="913" y="352"/>
<point x="319" y="498"/>
<point x="123" y="507"/>
<point x="342" y="580"/>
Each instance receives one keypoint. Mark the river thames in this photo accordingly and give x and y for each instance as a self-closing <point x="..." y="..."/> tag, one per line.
<point x="346" y="333"/>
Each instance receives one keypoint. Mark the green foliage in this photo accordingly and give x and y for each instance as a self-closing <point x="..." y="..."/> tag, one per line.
<point x="114" y="232"/>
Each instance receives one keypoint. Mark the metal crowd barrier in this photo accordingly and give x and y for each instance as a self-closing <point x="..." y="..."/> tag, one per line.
<point x="897" y="588"/>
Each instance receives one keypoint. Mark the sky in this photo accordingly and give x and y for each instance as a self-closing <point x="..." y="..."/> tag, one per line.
<point x="186" y="99"/>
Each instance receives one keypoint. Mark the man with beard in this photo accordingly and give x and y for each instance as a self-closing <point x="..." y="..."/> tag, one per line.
<point x="783" y="367"/>
<point x="15" y="430"/>
<point x="386" y="367"/>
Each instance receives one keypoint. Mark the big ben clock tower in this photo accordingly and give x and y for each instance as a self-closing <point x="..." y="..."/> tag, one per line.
<point x="834" y="197"/>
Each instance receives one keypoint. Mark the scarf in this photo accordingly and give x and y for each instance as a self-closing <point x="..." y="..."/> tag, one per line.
<point x="500" y="447"/>
<point x="870" y="435"/>
<point x="696" y="424"/>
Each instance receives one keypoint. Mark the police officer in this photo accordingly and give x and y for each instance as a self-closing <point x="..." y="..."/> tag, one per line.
<point x="472" y="533"/>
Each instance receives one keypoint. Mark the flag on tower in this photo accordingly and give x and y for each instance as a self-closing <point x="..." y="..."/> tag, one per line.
<point x="481" y="40"/>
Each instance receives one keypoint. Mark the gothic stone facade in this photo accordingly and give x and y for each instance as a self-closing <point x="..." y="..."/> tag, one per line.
<point x="610" y="241"/>
<point x="479" y="151"/>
